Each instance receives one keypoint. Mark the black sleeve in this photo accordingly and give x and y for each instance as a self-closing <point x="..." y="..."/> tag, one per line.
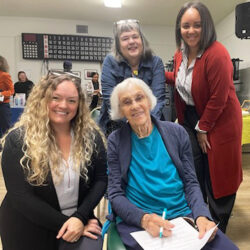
<point x="20" y="193"/>
<point x="98" y="182"/>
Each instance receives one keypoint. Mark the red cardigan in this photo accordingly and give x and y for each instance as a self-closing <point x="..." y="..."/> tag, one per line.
<point x="220" y="114"/>
<point x="6" y="86"/>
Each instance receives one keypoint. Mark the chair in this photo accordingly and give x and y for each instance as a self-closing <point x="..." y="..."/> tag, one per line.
<point x="112" y="240"/>
<point x="111" y="237"/>
<point x="95" y="113"/>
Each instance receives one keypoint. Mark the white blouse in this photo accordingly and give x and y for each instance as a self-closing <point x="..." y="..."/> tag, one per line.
<point x="67" y="189"/>
<point x="184" y="78"/>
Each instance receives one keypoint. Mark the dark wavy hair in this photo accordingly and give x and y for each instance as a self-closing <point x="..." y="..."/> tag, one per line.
<point x="208" y="33"/>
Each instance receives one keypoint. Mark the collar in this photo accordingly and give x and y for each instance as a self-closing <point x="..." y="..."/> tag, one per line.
<point x="184" y="50"/>
<point x="143" y="63"/>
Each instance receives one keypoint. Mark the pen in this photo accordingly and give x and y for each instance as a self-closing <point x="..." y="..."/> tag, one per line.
<point x="163" y="217"/>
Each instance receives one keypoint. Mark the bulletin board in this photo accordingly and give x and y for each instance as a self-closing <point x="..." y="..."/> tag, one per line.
<point x="65" y="47"/>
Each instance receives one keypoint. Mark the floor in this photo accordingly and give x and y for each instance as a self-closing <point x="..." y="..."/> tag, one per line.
<point x="239" y="225"/>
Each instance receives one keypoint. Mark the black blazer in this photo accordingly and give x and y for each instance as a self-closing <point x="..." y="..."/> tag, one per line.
<point x="30" y="216"/>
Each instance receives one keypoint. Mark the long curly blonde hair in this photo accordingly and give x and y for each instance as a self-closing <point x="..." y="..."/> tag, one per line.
<point x="40" y="148"/>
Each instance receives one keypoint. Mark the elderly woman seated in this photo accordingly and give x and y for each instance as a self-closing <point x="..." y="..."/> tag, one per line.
<point x="151" y="168"/>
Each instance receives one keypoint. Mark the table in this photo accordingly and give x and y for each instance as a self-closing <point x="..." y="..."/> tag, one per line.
<point x="246" y="130"/>
<point x="15" y="114"/>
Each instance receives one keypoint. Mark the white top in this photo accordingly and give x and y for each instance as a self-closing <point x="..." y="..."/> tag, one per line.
<point x="67" y="189"/>
<point x="184" y="78"/>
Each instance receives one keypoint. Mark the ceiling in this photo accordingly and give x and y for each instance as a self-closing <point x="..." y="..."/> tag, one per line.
<point x="148" y="12"/>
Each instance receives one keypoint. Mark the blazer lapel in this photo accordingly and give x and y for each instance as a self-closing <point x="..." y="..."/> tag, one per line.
<point x="125" y="150"/>
<point x="168" y="140"/>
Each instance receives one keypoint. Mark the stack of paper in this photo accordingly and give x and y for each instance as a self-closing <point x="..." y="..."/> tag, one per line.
<point x="184" y="237"/>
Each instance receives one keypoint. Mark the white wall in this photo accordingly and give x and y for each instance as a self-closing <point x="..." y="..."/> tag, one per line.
<point x="238" y="48"/>
<point x="161" y="40"/>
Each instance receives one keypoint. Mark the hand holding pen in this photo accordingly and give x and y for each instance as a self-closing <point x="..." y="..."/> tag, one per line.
<point x="164" y="218"/>
<point x="152" y="224"/>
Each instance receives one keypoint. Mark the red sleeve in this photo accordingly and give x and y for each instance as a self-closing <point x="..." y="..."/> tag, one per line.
<point x="218" y="70"/>
<point x="170" y="79"/>
<point x="170" y="76"/>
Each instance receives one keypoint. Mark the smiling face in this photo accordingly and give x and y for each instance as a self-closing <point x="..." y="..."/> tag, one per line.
<point x="131" y="45"/>
<point x="191" y="28"/>
<point x="63" y="104"/>
<point x="135" y="106"/>
<point x="95" y="78"/>
<point x="22" y="77"/>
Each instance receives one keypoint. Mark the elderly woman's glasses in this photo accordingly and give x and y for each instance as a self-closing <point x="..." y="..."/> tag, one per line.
<point x="128" y="101"/>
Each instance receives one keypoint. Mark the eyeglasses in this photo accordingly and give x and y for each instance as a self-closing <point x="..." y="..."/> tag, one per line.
<point x="118" y="25"/>
<point x="126" y="21"/>
<point x="73" y="76"/>
<point x="128" y="101"/>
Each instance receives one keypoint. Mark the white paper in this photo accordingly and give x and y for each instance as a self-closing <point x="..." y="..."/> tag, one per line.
<point x="1" y="98"/>
<point x="184" y="237"/>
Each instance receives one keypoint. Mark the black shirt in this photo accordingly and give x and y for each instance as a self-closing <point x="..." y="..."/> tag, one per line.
<point x="24" y="87"/>
<point x="95" y="85"/>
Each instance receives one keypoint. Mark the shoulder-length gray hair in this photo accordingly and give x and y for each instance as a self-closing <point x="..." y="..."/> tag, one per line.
<point x="208" y="33"/>
<point x="126" y="26"/>
<point x="122" y="87"/>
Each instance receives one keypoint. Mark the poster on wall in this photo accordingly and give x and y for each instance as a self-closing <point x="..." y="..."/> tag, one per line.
<point x="65" y="47"/>
<point x="88" y="73"/>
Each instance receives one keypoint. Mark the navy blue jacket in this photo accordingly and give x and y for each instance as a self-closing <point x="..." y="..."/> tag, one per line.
<point x="113" y="72"/>
<point x="178" y="146"/>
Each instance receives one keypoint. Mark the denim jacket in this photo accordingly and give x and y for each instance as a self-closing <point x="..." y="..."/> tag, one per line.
<point x="113" y="72"/>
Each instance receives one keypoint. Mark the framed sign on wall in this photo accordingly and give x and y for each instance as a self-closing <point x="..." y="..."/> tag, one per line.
<point x="88" y="73"/>
<point x="65" y="47"/>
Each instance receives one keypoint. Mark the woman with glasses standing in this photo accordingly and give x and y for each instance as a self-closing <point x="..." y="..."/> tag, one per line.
<point x="208" y="108"/>
<point x="131" y="57"/>
<point x="54" y="167"/>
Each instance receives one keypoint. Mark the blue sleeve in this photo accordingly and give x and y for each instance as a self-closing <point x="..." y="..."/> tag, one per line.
<point x="158" y="86"/>
<point x="122" y="207"/>
<point x="108" y="79"/>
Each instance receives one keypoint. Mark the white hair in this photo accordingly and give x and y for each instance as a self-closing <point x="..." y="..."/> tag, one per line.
<point x="122" y="87"/>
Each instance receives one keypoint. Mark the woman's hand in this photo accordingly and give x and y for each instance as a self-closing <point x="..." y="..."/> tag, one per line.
<point x="203" y="142"/>
<point x="71" y="230"/>
<point x="152" y="224"/>
<point x="91" y="229"/>
<point x="204" y="225"/>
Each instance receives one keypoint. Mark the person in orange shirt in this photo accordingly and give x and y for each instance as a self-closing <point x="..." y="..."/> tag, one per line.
<point x="6" y="90"/>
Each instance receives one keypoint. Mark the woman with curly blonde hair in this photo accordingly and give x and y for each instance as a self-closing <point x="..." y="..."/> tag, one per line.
<point x="54" y="167"/>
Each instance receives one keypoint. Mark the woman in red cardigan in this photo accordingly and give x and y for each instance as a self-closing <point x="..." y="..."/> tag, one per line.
<point x="6" y="90"/>
<point x="208" y="108"/>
